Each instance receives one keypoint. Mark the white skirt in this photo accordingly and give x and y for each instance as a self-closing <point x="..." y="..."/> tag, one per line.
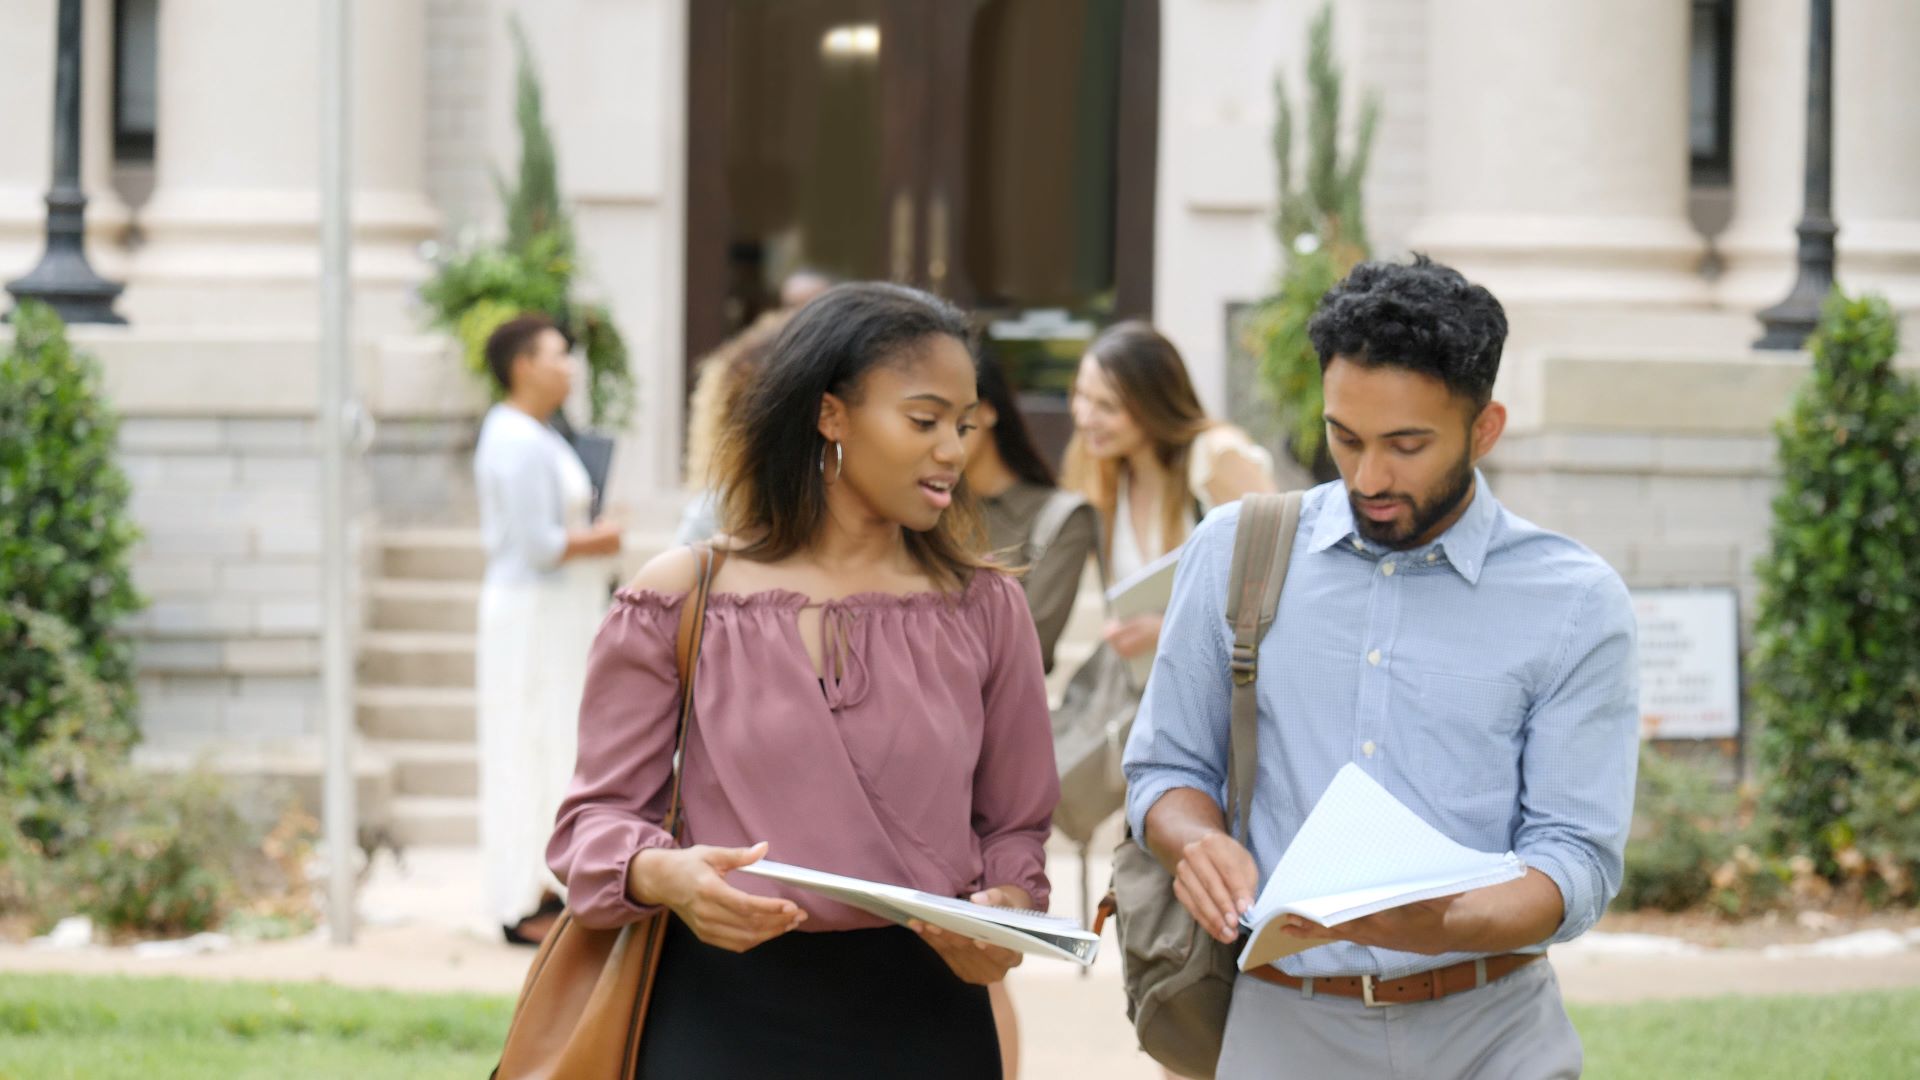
<point x="531" y="664"/>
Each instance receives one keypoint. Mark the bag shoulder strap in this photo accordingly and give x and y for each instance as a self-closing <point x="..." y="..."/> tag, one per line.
<point x="686" y="660"/>
<point x="1262" y="549"/>
<point x="1053" y="516"/>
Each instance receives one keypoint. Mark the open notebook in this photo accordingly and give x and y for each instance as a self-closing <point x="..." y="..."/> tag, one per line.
<point x="1361" y="851"/>
<point x="1030" y="932"/>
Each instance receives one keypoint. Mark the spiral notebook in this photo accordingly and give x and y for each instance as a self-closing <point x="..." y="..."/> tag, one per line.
<point x="1359" y="852"/>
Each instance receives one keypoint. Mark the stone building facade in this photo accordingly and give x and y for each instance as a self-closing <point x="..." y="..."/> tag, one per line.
<point x="1542" y="148"/>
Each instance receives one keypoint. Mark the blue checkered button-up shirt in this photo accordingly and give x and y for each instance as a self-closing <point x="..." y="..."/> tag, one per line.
<point x="1487" y="680"/>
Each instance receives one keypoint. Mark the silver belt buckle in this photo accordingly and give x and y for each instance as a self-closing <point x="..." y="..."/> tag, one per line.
<point x="1366" y="993"/>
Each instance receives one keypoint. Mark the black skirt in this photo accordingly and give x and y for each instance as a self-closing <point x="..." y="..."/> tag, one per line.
<point x="853" y="1003"/>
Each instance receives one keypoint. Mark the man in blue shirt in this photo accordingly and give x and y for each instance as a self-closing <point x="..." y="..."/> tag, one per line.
<point x="1482" y="669"/>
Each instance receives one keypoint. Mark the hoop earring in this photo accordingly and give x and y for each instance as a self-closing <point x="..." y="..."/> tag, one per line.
<point x="839" y="460"/>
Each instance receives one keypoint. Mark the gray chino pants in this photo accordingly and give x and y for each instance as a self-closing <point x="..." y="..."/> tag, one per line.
<point x="1513" y="1029"/>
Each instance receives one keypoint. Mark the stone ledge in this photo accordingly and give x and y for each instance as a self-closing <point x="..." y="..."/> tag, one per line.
<point x="205" y="374"/>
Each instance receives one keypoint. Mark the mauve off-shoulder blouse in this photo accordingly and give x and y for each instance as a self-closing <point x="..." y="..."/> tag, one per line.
<point x="927" y="763"/>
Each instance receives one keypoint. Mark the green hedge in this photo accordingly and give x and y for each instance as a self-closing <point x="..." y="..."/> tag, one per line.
<point x="1836" y="666"/>
<point x="65" y="536"/>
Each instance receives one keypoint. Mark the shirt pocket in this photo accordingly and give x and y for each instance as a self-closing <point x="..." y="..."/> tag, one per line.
<point x="1462" y="740"/>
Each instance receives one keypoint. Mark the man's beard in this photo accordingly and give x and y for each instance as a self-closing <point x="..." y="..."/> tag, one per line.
<point x="1401" y="534"/>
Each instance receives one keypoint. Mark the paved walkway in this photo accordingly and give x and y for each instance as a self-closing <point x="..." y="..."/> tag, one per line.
<point x="419" y="933"/>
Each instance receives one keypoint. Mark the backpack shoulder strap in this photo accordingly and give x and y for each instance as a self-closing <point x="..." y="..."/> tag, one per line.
<point x="1262" y="549"/>
<point x="1052" y="518"/>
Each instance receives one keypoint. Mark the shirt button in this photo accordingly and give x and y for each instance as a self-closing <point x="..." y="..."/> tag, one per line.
<point x="1433" y="556"/>
<point x="1373" y="658"/>
<point x="1367" y="748"/>
<point x="1386" y="568"/>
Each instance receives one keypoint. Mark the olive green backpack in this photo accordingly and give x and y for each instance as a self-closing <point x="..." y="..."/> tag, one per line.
<point x="1179" y="978"/>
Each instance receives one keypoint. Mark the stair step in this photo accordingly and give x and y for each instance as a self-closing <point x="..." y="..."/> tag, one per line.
<point x="444" y="713"/>
<point x="425" y="604"/>
<point x="417" y="658"/>
<point x="428" y="767"/>
<point x="435" y="820"/>
<point x="433" y="554"/>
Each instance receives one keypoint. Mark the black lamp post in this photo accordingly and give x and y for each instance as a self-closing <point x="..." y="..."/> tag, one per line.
<point x="1792" y="320"/>
<point x="63" y="279"/>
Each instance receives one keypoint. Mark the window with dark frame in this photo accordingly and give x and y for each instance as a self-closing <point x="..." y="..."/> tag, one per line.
<point x="135" y="67"/>
<point x="1710" y="92"/>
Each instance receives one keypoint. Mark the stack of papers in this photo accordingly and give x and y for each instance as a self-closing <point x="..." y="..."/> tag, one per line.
<point x="1029" y="932"/>
<point x="1359" y="852"/>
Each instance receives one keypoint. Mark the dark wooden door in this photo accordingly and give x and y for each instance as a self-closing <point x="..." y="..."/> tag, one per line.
<point x="998" y="152"/>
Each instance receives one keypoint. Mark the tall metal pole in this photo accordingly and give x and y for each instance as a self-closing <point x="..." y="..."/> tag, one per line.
<point x="64" y="279"/>
<point x="336" y="88"/>
<point x="1790" y="322"/>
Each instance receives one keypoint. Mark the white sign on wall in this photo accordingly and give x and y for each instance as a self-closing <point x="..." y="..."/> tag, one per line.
<point x="1689" y="663"/>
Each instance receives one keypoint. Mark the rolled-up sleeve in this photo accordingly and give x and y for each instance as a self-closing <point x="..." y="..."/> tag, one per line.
<point x="1581" y="754"/>
<point x="1016" y="784"/>
<point x="1180" y="734"/>
<point x="629" y="718"/>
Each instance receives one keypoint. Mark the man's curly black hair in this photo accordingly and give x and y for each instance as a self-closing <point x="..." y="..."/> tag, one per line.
<point x="1423" y="316"/>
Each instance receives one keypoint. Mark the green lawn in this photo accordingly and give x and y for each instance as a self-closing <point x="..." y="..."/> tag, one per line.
<point x="1742" y="1038"/>
<point x="54" y="1027"/>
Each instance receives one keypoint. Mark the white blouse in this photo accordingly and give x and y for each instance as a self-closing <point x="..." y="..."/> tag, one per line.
<point x="1130" y="552"/>
<point x="532" y="490"/>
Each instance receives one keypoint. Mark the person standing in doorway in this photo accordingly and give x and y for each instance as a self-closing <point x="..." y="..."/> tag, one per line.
<point x="1479" y="667"/>
<point x="548" y="570"/>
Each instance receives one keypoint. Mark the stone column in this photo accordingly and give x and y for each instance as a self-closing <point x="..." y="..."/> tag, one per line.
<point x="1876" y="147"/>
<point x="1769" y="152"/>
<point x="233" y="225"/>
<point x="26" y="153"/>
<point x="1557" y="151"/>
<point x="1876" y="150"/>
<point x="106" y="211"/>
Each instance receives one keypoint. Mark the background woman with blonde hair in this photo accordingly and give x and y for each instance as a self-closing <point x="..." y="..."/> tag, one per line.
<point x="1148" y="458"/>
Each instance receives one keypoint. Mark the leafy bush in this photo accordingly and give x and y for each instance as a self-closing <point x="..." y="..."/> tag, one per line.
<point x="478" y="287"/>
<point x="1693" y="843"/>
<point x="65" y="537"/>
<point x="1322" y="230"/>
<point x="85" y="833"/>
<point x="1836" y="665"/>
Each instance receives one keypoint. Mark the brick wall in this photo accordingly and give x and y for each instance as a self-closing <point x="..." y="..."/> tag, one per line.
<point x="1663" y="509"/>
<point x="230" y="563"/>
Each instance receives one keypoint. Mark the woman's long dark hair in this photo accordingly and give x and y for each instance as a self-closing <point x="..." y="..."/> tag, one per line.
<point x="769" y="459"/>
<point x="1010" y="433"/>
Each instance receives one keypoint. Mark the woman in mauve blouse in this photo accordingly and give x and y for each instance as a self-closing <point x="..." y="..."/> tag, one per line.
<point x="869" y="702"/>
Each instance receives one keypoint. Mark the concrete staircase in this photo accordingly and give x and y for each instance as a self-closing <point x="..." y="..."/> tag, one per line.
<point x="416" y="700"/>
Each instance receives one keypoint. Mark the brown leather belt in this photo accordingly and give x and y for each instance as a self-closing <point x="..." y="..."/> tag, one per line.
<point x="1423" y="986"/>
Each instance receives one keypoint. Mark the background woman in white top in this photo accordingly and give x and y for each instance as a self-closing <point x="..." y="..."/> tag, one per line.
<point x="1147" y="457"/>
<point x="547" y="587"/>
